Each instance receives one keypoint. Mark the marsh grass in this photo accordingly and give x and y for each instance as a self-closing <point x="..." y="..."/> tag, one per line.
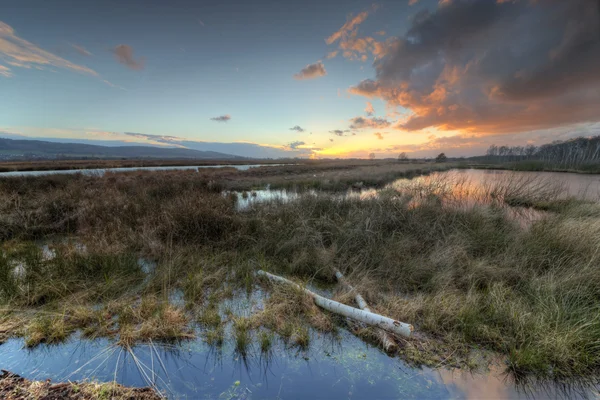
<point x="465" y="273"/>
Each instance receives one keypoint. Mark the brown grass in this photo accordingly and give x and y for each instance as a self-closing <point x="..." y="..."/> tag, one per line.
<point x="466" y="277"/>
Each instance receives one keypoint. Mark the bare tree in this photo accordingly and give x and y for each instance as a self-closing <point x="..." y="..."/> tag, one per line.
<point x="569" y="153"/>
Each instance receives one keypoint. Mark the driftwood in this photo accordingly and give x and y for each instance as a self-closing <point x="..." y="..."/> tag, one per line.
<point x="386" y="341"/>
<point x="367" y="317"/>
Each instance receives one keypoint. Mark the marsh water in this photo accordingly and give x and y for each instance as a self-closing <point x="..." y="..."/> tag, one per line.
<point x="101" y="171"/>
<point x="341" y="367"/>
<point x="463" y="185"/>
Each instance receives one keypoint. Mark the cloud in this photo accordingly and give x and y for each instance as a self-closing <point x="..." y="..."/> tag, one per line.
<point x="347" y="28"/>
<point x="379" y="135"/>
<point x="158" y="138"/>
<point x="124" y="54"/>
<point x="311" y="71"/>
<point x="18" y="52"/>
<point x="369" y="110"/>
<point x="332" y="54"/>
<point x="339" y="132"/>
<point x="297" y="128"/>
<point x="81" y="50"/>
<point x="467" y="66"/>
<point x="221" y="118"/>
<point x="296" y="144"/>
<point x="113" y="85"/>
<point x="362" y="123"/>
<point x="5" y="71"/>
<point x="353" y="47"/>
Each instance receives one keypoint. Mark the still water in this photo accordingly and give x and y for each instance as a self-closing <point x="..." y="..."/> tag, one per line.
<point x="332" y="368"/>
<point x="464" y="186"/>
<point x="101" y="171"/>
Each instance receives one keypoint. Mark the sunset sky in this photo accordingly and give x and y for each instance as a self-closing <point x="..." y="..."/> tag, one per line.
<point x="273" y="78"/>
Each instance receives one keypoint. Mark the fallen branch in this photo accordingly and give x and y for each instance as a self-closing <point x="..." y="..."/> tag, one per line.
<point x="388" y="343"/>
<point x="367" y="317"/>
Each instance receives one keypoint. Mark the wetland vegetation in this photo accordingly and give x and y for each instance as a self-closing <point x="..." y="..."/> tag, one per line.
<point x="156" y="257"/>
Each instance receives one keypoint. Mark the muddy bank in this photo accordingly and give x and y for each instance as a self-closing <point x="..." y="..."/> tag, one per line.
<point x="15" y="387"/>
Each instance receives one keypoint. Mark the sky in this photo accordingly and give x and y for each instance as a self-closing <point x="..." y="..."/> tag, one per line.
<point x="271" y="78"/>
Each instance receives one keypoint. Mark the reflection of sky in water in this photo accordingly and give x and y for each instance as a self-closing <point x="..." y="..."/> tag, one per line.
<point x="330" y="368"/>
<point x="462" y="188"/>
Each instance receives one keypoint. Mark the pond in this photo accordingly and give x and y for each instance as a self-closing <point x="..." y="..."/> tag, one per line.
<point x="101" y="171"/>
<point x="464" y="186"/>
<point x="332" y="367"/>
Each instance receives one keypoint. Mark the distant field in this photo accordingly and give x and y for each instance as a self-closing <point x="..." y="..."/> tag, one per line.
<point x="47" y="165"/>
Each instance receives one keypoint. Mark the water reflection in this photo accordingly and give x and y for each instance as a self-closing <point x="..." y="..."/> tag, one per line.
<point x="333" y="367"/>
<point x="465" y="188"/>
<point x="330" y="368"/>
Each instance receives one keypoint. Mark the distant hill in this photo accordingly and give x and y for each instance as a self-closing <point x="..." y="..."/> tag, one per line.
<point x="39" y="149"/>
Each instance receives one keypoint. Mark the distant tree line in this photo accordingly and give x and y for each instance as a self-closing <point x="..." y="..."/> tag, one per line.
<point x="567" y="153"/>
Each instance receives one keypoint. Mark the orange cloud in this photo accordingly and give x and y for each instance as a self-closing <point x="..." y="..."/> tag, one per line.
<point x="378" y="135"/>
<point x="347" y="27"/>
<point x="369" y="110"/>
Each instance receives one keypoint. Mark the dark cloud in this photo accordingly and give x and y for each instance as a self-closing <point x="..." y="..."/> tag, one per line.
<point x="221" y="118"/>
<point x="494" y="66"/>
<point x="297" y="128"/>
<point x="124" y="54"/>
<point x="296" y="144"/>
<point x="361" y="123"/>
<point x="339" y="132"/>
<point x="311" y="71"/>
<point x="378" y="135"/>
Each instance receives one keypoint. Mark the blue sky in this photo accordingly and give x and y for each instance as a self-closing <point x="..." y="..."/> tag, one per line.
<point x="95" y="70"/>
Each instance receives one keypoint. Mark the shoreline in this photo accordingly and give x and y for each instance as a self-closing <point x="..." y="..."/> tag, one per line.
<point x="15" y="387"/>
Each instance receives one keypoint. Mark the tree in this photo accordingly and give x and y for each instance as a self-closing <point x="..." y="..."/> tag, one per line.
<point x="441" y="158"/>
<point x="372" y="156"/>
<point x="402" y="157"/>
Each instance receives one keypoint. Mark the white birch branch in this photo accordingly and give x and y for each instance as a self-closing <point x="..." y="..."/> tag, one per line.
<point x="388" y="343"/>
<point x="367" y="317"/>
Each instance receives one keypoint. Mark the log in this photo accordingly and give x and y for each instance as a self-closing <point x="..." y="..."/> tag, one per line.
<point x="386" y="341"/>
<point x="367" y="317"/>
